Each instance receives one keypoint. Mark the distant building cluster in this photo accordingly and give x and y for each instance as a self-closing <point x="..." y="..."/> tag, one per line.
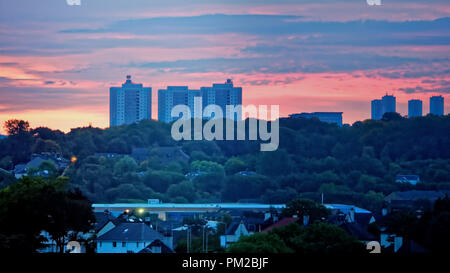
<point x="385" y="105"/>
<point x="36" y="161"/>
<point x="328" y="117"/>
<point x="132" y="102"/>
<point x="388" y="104"/>
<point x="220" y="94"/>
<point x="176" y="95"/>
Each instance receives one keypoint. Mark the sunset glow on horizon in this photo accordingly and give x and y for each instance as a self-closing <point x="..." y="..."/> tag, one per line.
<point x="57" y="62"/>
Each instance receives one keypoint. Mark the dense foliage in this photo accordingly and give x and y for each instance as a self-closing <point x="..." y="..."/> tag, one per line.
<point x="34" y="204"/>
<point x="356" y="164"/>
<point x="317" y="238"/>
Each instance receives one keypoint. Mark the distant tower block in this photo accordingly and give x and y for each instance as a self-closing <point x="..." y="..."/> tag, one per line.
<point x="130" y="103"/>
<point x="437" y="105"/>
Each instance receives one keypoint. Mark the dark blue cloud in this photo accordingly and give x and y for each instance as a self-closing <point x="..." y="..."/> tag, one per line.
<point x="263" y="25"/>
<point x="32" y="98"/>
<point x="316" y="62"/>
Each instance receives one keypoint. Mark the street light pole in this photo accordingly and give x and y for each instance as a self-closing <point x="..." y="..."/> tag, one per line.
<point x="203" y="238"/>
<point x="207" y="241"/>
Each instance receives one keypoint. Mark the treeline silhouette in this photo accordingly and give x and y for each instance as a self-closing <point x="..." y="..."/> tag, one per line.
<point x="351" y="164"/>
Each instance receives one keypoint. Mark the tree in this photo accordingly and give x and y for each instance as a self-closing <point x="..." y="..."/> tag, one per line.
<point x="234" y="165"/>
<point x="15" y="126"/>
<point x="160" y="181"/>
<point x="6" y="178"/>
<point x="305" y="207"/>
<point x="184" y="189"/>
<point x="49" y="167"/>
<point x="274" y="163"/>
<point x="260" y="243"/>
<point x="70" y="214"/>
<point x="208" y="167"/>
<point x="325" y="238"/>
<point x="125" y="165"/>
<point x="47" y="145"/>
<point x="401" y="223"/>
<point x="317" y="238"/>
<point x="6" y="163"/>
<point x="390" y="116"/>
<point x="34" y="204"/>
<point x="246" y="186"/>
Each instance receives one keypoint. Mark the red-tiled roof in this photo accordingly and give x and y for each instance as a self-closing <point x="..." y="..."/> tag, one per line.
<point x="283" y="222"/>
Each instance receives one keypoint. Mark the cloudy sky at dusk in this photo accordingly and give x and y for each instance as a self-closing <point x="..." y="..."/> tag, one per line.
<point x="57" y="62"/>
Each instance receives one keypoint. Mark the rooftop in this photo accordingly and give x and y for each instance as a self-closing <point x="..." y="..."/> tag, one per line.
<point x="191" y="205"/>
<point x="283" y="222"/>
<point x="346" y="208"/>
<point x="128" y="231"/>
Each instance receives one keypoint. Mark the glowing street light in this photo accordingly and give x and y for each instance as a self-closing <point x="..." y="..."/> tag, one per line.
<point x="73" y="159"/>
<point x="140" y="211"/>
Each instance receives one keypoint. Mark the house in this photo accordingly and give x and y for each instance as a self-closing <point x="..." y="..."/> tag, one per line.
<point x="130" y="237"/>
<point x="392" y="242"/>
<point x="411" y="179"/>
<point x="109" y="155"/>
<point x="139" y="154"/>
<point x="246" y="173"/>
<point x="353" y="220"/>
<point x="257" y="221"/>
<point x="36" y="160"/>
<point x="105" y="221"/>
<point x="282" y="223"/>
<point x="358" y="231"/>
<point x="234" y="233"/>
<point x="408" y="199"/>
<point x="194" y="174"/>
<point x="349" y="213"/>
<point x="157" y="247"/>
<point x="50" y="245"/>
<point x="170" y="154"/>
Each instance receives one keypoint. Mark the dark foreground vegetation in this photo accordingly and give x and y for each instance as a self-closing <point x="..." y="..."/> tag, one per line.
<point x="355" y="164"/>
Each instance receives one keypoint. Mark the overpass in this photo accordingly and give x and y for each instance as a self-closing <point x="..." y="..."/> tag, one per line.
<point x="162" y="209"/>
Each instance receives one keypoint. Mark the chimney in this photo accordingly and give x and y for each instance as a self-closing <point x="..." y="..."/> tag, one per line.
<point x="352" y="215"/>
<point x="305" y="220"/>
<point x="398" y="242"/>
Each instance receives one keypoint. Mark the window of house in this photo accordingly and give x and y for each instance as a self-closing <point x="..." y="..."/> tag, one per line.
<point x="137" y="244"/>
<point x="124" y="244"/>
<point x="114" y="244"/>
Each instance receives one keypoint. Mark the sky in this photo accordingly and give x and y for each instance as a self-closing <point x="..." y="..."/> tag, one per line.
<point x="58" y="61"/>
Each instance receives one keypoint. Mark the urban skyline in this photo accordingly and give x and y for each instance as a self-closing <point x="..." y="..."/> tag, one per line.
<point x="127" y="106"/>
<point x="220" y="94"/>
<point x="56" y="72"/>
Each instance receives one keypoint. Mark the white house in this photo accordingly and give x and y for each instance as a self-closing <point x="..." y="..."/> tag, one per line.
<point x="233" y="233"/>
<point x="411" y="179"/>
<point x="129" y="237"/>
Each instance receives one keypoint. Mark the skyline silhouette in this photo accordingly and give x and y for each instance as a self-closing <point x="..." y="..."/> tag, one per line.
<point x="57" y="61"/>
